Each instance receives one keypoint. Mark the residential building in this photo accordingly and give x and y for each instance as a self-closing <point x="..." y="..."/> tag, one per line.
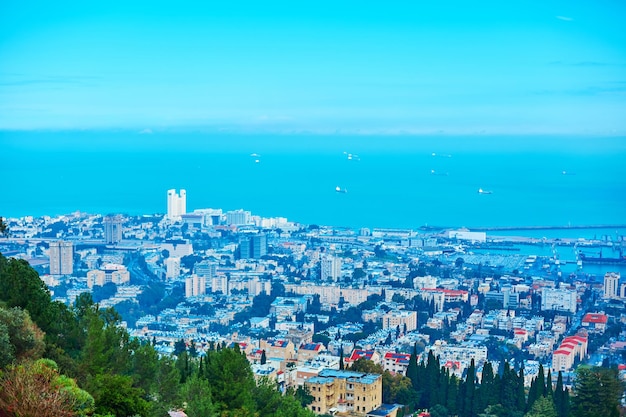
<point x="279" y="349"/>
<point x="369" y="354"/>
<point x="112" y="229"/>
<point x="238" y="217"/>
<point x="253" y="247"/>
<point x="61" y="258"/>
<point x="309" y="351"/>
<point x="176" y="204"/>
<point x="345" y="392"/>
<point x="611" y="285"/>
<point x="595" y="322"/>
<point x="403" y="319"/>
<point x="558" y="299"/>
<point x="330" y="268"/>
<point x="396" y="363"/>
<point x="194" y="286"/>
<point x="172" y="267"/>
<point x="570" y="349"/>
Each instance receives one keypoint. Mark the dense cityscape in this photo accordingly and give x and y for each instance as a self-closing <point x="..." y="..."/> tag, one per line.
<point x="347" y="317"/>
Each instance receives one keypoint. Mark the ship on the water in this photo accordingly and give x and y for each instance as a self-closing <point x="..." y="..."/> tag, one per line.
<point x="601" y="260"/>
<point x="341" y="190"/>
<point x="481" y="191"/>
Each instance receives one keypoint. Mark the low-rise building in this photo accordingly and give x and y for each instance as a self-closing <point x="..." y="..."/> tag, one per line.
<point x="345" y="392"/>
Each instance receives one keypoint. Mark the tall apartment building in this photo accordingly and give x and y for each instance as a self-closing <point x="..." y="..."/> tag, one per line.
<point x="559" y="300"/>
<point x="253" y="247"/>
<point x="330" y="268"/>
<point x="112" y="229"/>
<point x="611" y="285"/>
<point x="195" y="286"/>
<point x="345" y="392"/>
<point x="176" y="204"/>
<point x="172" y="267"/>
<point x="206" y="269"/>
<point x="61" y="258"/>
<point x="238" y="217"/>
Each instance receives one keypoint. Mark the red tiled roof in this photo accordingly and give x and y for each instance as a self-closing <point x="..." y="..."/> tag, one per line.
<point x="595" y="318"/>
<point x="360" y="353"/>
<point x="398" y="357"/>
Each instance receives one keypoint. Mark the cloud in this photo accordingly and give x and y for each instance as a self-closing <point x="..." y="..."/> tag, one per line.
<point x="145" y="132"/>
<point x="565" y="18"/>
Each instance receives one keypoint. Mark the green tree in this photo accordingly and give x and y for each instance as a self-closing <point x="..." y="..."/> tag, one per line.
<point x="4" y="228"/>
<point x="20" y="286"/>
<point x="596" y="392"/>
<point x="232" y="382"/>
<point x="366" y="366"/>
<point x="411" y="370"/>
<point x="438" y="410"/>
<point x="302" y="394"/>
<point x="37" y="389"/>
<point x="195" y="395"/>
<point x="561" y="397"/>
<point x="543" y="407"/>
<point x="20" y="338"/>
<point x="115" y="394"/>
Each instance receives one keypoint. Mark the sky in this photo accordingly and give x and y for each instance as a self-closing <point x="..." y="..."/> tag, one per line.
<point x="516" y="67"/>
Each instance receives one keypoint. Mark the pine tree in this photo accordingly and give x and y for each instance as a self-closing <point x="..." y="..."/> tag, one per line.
<point x="598" y="391"/>
<point x="543" y="407"/>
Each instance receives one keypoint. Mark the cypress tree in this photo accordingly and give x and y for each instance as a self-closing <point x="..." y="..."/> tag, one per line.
<point x="430" y="386"/>
<point x="452" y="395"/>
<point x="533" y="394"/>
<point x="486" y="394"/>
<point x="411" y="370"/>
<point x="520" y="402"/>
<point x="263" y="357"/>
<point x="541" y="379"/>
<point x="549" y="392"/>
<point x="509" y="388"/>
<point x="341" y="364"/>
<point x="559" y="396"/>
<point x="469" y="391"/>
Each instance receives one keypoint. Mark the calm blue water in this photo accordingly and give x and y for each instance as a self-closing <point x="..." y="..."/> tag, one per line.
<point x="389" y="185"/>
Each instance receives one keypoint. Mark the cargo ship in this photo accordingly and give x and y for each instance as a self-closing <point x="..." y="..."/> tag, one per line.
<point x="599" y="260"/>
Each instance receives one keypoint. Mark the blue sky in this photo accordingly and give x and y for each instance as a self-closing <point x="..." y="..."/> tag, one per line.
<point x="356" y="67"/>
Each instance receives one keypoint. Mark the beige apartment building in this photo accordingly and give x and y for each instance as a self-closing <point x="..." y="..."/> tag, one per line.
<point x="339" y="391"/>
<point x="395" y="318"/>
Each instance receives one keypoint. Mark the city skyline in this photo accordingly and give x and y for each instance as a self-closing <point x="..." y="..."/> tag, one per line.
<point x="319" y="68"/>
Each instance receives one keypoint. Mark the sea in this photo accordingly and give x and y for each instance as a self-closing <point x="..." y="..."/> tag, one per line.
<point x="395" y="181"/>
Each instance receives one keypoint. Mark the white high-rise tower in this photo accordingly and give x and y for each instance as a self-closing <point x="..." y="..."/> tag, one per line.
<point x="176" y="204"/>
